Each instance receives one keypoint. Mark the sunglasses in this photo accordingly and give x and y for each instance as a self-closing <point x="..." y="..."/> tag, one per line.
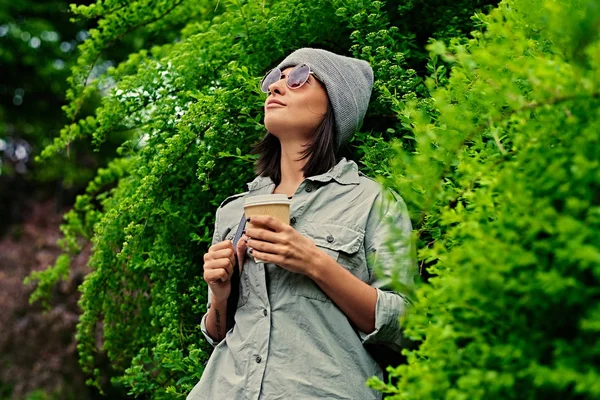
<point x="295" y="79"/>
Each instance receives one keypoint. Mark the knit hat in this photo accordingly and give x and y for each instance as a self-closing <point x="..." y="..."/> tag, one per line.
<point x="348" y="82"/>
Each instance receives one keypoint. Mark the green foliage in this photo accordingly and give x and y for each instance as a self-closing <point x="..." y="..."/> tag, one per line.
<point x="505" y="183"/>
<point x="396" y="53"/>
<point x="45" y="279"/>
<point x="192" y="109"/>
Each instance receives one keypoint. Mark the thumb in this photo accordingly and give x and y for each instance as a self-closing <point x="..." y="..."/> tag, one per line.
<point x="241" y="251"/>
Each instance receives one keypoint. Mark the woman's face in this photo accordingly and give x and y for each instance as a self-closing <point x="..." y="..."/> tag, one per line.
<point x="304" y="109"/>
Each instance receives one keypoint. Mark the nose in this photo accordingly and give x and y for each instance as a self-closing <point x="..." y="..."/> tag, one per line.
<point x="278" y="86"/>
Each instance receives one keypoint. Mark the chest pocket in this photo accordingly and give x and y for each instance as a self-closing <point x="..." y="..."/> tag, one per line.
<point x="340" y="242"/>
<point x="244" y="285"/>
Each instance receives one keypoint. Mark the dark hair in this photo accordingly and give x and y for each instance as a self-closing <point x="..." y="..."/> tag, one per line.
<point x="320" y="151"/>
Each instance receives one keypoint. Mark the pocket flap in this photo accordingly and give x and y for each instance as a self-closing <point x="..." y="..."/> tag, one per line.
<point x="334" y="237"/>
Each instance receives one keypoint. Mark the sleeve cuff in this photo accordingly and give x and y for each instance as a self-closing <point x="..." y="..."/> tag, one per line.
<point x="389" y="308"/>
<point x="210" y="340"/>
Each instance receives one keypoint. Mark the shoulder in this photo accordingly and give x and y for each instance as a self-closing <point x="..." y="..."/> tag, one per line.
<point x="232" y="198"/>
<point x="369" y="184"/>
<point x="230" y="209"/>
<point x="228" y="214"/>
<point x="375" y="188"/>
<point x="382" y="197"/>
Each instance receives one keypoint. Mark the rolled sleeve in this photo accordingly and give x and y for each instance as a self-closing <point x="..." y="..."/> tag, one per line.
<point x="389" y="308"/>
<point x="392" y="265"/>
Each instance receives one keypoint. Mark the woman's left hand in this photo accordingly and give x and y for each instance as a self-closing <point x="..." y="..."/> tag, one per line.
<point x="275" y="242"/>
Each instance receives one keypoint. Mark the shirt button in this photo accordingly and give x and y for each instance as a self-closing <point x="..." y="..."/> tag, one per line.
<point x="308" y="189"/>
<point x="330" y="239"/>
<point x="258" y="359"/>
<point x="265" y="313"/>
<point x="293" y="220"/>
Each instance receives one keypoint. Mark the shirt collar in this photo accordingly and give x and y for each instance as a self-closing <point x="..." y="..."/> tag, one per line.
<point x="345" y="172"/>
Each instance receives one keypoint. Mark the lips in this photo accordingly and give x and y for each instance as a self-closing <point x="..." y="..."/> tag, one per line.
<point x="275" y="101"/>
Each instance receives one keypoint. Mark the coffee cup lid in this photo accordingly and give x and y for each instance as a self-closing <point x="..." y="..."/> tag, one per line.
<point x="266" y="199"/>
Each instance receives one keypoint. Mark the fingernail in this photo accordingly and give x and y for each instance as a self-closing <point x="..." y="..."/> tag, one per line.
<point x="246" y="240"/>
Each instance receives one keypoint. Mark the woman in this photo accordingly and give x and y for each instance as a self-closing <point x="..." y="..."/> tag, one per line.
<point x="305" y="314"/>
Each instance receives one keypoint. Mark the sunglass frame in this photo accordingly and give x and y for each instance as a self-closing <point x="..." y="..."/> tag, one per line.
<point x="266" y="89"/>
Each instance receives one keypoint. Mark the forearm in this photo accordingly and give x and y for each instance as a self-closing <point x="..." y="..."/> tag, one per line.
<point x="355" y="298"/>
<point x="216" y="320"/>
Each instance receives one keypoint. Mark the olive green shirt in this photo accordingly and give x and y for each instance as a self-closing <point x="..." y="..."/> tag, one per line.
<point x="290" y="340"/>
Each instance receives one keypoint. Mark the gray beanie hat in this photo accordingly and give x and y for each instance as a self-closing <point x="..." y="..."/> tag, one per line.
<point x="348" y="82"/>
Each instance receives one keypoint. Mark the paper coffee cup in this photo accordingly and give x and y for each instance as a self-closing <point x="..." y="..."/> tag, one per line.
<point x="275" y="205"/>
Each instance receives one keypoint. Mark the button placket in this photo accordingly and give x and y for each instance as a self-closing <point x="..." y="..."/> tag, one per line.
<point x="297" y="208"/>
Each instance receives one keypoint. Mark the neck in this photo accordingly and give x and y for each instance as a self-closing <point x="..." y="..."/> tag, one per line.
<point x="291" y="168"/>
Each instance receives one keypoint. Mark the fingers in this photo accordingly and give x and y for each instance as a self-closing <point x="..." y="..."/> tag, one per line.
<point x="220" y="257"/>
<point x="225" y="263"/>
<point x="268" y="257"/>
<point x="265" y="247"/>
<point x="265" y="235"/>
<point x="218" y="254"/>
<point x="262" y="238"/>
<point x="268" y="222"/>
<point x="216" y="275"/>
<point x="218" y="269"/>
<point x="225" y="244"/>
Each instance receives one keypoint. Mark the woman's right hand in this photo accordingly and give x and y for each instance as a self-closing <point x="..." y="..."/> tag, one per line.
<point x="218" y="267"/>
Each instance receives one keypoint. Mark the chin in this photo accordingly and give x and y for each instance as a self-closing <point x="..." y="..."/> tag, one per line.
<point x="276" y="125"/>
<point x="280" y="126"/>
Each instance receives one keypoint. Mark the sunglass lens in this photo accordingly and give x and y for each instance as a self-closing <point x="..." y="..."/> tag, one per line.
<point x="298" y="76"/>
<point x="270" y="77"/>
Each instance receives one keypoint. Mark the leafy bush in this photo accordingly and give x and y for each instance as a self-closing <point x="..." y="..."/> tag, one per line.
<point x="506" y="183"/>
